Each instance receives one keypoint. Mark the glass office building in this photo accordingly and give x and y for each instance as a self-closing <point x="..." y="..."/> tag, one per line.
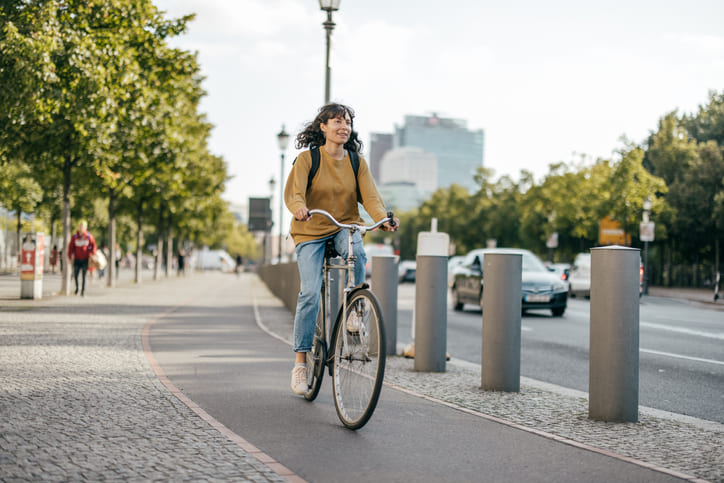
<point x="459" y="150"/>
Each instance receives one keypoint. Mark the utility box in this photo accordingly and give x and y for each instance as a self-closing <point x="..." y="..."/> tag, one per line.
<point x="31" y="265"/>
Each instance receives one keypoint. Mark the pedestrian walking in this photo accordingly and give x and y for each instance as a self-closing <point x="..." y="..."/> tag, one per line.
<point x="119" y="255"/>
<point x="181" y="263"/>
<point x="82" y="245"/>
<point x="239" y="264"/>
<point x="336" y="186"/>
<point x="53" y="258"/>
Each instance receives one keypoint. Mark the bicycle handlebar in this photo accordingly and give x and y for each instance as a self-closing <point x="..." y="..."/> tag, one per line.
<point x="361" y="228"/>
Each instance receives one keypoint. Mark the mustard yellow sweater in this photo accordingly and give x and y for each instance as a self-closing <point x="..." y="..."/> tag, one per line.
<point x="333" y="189"/>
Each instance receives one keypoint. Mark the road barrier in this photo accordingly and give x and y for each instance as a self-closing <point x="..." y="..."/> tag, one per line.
<point x="384" y="285"/>
<point x="614" y="335"/>
<point x="431" y="302"/>
<point x="502" y="274"/>
<point x="283" y="281"/>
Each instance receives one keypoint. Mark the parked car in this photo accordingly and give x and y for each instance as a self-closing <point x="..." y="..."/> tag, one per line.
<point x="454" y="261"/>
<point x="579" y="280"/>
<point x="541" y="289"/>
<point x="375" y="249"/>
<point x="214" y="260"/>
<point x="561" y="270"/>
<point x="407" y="270"/>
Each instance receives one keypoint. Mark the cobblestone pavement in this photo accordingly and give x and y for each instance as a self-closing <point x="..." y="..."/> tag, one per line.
<point x="79" y="402"/>
<point x="690" y="446"/>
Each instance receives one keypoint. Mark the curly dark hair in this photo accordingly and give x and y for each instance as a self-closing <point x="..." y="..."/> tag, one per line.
<point x="313" y="137"/>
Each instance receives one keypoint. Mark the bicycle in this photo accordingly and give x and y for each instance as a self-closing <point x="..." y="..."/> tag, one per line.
<point x="357" y="338"/>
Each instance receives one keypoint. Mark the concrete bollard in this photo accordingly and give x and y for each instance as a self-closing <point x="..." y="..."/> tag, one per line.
<point x="431" y="302"/>
<point x="384" y="284"/>
<point x="502" y="275"/>
<point x="614" y="334"/>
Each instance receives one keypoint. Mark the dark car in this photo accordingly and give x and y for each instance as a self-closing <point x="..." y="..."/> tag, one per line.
<point x="541" y="289"/>
<point x="407" y="270"/>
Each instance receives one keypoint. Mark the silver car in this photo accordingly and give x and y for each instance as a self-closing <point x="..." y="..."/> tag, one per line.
<point x="541" y="288"/>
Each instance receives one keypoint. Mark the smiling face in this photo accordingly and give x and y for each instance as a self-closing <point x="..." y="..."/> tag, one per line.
<point x="337" y="129"/>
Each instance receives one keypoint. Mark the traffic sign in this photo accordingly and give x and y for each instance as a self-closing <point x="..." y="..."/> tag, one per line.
<point x="646" y="230"/>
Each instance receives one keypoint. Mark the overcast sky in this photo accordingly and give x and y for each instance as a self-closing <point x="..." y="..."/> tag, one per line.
<point x="544" y="80"/>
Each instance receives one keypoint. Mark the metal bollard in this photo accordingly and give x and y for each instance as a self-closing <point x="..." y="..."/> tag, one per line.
<point x="384" y="284"/>
<point x="502" y="275"/>
<point x="431" y="302"/>
<point x="614" y="334"/>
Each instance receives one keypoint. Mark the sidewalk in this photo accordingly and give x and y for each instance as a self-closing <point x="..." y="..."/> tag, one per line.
<point x="701" y="295"/>
<point x="80" y="402"/>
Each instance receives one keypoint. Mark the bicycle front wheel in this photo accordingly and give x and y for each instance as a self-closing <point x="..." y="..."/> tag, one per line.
<point x="316" y="359"/>
<point x="359" y="359"/>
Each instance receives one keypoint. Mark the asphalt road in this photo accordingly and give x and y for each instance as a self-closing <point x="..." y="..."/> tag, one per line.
<point x="681" y="360"/>
<point x="214" y="353"/>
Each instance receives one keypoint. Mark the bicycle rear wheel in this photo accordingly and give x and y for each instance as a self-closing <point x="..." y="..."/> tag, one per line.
<point x="316" y="358"/>
<point x="359" y="359"/>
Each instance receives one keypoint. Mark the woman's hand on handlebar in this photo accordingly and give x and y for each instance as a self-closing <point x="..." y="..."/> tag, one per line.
<point x="391" y="226"/>
<point x="302" y="214"/>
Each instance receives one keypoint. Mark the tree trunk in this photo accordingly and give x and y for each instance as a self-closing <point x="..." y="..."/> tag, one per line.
<point x="6" y="252"/>
<point x="65" y="285"/>
<point x="111" y="268"/>
<point x="139" y="242"/>
<point x="159" y="246"/>
<point x="18" y="242"/>
<point x="53" y="233"/>
<point x="169" y="246"/>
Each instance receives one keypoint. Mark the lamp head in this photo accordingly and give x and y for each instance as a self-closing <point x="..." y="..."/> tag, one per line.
<point x="647" y="204"/>
<point x="283" y="138"/>
<point x="329" y="5"/>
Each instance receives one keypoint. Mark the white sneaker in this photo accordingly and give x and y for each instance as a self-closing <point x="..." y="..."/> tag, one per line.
<point x="299" y="380"/>
<point x="352" y="322"/>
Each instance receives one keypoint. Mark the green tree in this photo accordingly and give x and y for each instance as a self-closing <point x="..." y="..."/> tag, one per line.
<point x="19" y="192"/>
<point x="629" y="185"/>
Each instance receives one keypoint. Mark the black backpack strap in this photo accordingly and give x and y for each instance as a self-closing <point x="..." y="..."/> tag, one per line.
<point x="354" y="160"/>
<point x="315" y="166"/>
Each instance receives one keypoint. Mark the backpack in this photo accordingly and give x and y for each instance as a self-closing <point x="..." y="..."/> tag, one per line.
<point x="353" y="160"/>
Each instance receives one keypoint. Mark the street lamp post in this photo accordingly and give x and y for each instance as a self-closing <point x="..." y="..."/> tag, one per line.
<point x="646" y="234"/>
<point x="328" y="6"/>
<point x="283" y="138"/>
<point x="270" y="224"/>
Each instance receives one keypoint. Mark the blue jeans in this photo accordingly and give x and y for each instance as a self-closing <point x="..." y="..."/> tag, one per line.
<point x="310" y="258"/>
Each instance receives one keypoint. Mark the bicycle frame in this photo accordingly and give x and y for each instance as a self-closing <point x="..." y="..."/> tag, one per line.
<point x="349" y="268"/>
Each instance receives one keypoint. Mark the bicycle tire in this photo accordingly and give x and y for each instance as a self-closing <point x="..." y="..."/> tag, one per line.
<point x="359" y="370"/>
<point x="316" y="358"/>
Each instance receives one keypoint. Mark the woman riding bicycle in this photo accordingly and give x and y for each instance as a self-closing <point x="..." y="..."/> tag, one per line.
<point x="334" y="189"/>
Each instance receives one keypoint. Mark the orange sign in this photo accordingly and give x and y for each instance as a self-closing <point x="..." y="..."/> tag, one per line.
<point x="611" y="233"/>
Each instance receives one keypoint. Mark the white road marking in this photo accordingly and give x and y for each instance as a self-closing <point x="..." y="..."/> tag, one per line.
<point x="679" y="356"/>
<point x="684" y="330"/>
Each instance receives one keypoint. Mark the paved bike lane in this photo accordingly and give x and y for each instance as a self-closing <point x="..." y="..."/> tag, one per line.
<point x="214" y="352"/>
